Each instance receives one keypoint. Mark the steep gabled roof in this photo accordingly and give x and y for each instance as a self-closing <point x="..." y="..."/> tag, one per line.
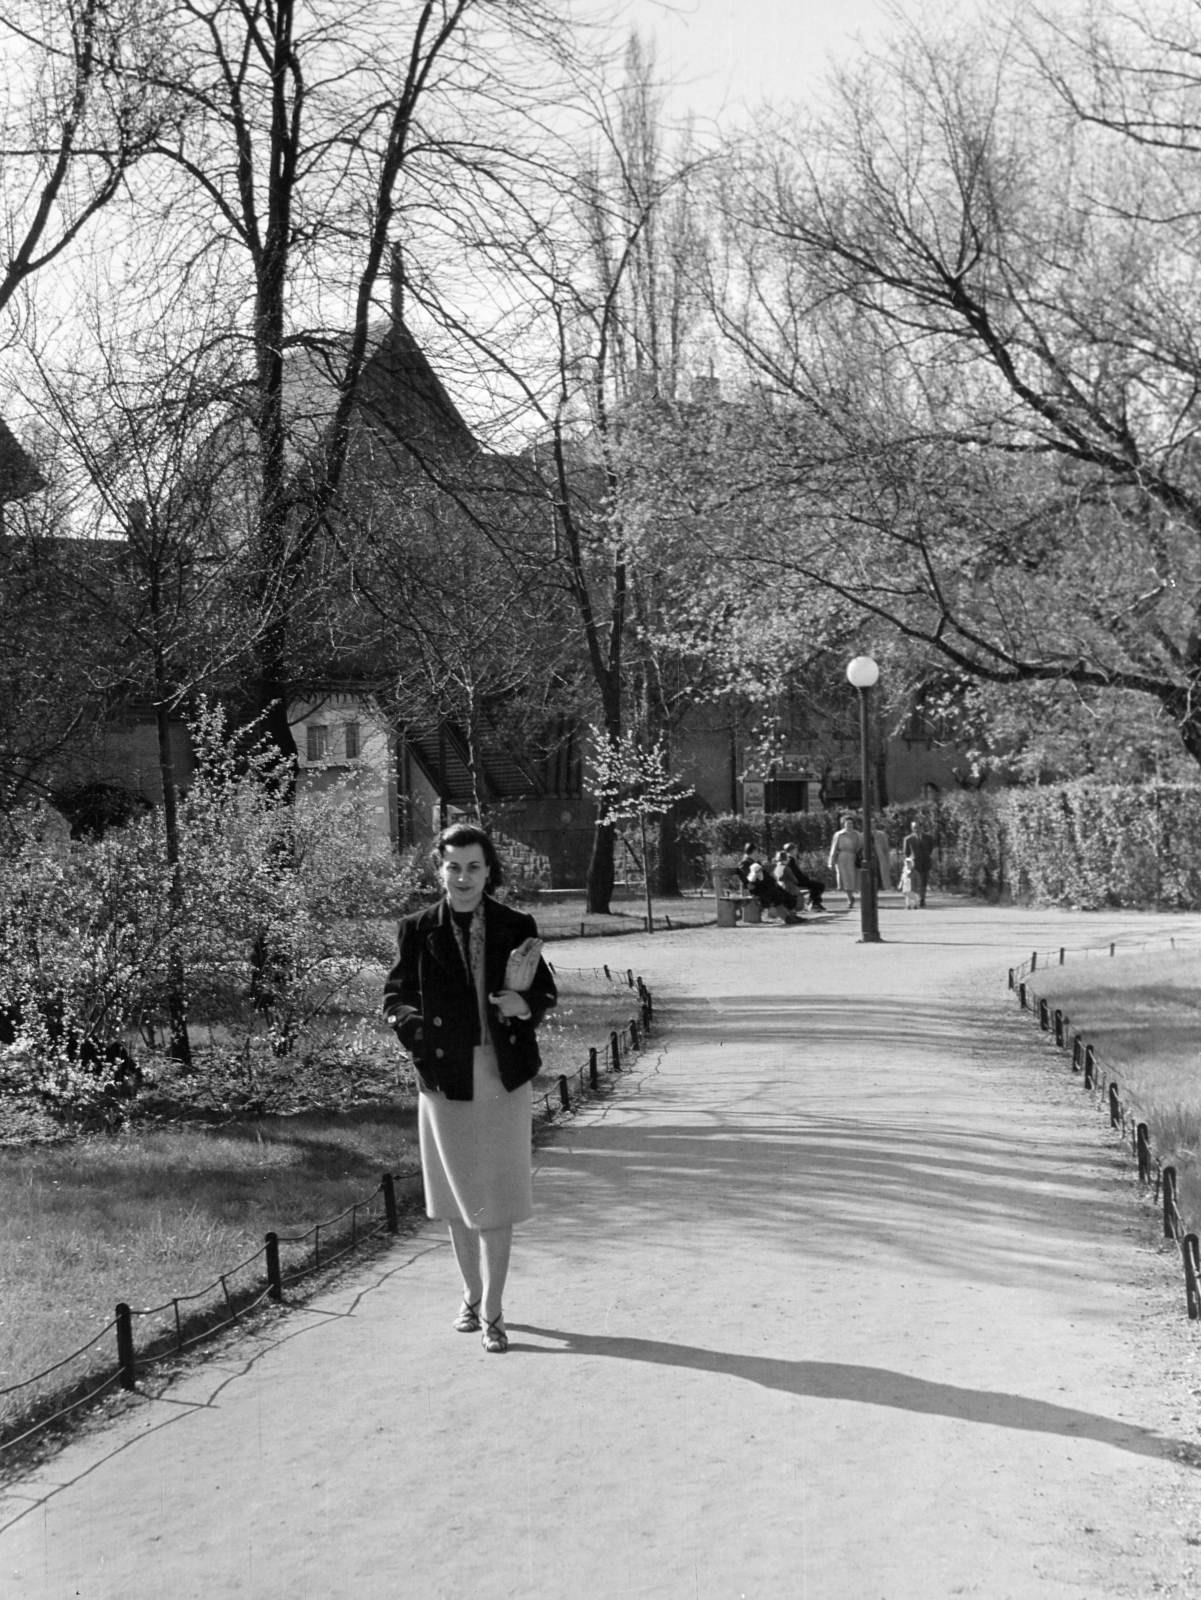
<point x="400" y="397"/>
<point x="401" y="390"/>
<point x="18" y="474"/>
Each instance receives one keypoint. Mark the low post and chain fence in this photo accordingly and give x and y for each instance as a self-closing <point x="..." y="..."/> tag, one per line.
<point x="623" y="1043"/>
<point x="149" y="1336"/>
<point x="1106" y="1085"/>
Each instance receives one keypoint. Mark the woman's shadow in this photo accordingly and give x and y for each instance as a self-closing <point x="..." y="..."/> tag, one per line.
<point x="836" y="1380"/>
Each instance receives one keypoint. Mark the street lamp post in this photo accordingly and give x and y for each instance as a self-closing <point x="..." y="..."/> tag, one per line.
<point x="862" y="674"/>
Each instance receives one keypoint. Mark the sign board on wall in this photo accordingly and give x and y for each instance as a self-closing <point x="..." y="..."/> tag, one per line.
<point x="753" y="797"/>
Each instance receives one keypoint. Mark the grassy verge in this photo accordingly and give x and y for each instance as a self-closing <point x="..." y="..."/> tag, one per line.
<point x="566" y="918"/>
<point x="162" y="1209"/>
<point x="1142" y="1013"/>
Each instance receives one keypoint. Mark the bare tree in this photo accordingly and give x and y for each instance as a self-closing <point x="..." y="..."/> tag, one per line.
<point x="971" y="329"/>
<point x="78" y="108"/>
<point x="605" y="275"/>
<point x="158" y="547"/>
<point x="302" y="140"/>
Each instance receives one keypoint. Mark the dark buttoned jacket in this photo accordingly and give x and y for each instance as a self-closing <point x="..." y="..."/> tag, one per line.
<point x="430" y="1000"/>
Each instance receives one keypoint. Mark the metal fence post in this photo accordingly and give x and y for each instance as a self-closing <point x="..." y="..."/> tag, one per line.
<point x="1023" y="998"/>
<point x="592" y="1074"/>
<point x="1059" y="1020"/>
<point x="274" y="1278"/>
<point x="388" y="1185"/>
<point x="1090" y="1066"/>
<point x="1143" y="1149"/>
<point x="1115" y="1108"/>
<point x="1169" y="1202"/>
<point x="564" y="1093"/>
<point x="1192" y="1270"/>
<point x="616" y="1050"/>
<point x="125" y="1352"/>
<point x="1044" y="1016"/>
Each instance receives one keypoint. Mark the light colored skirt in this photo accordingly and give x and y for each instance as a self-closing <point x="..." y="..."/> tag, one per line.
<point x="848" y="872"/>
<point x="475" y="1154"/>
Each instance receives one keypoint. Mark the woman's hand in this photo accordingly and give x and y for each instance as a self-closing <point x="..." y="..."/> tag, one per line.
<point x="511" y="1004"/>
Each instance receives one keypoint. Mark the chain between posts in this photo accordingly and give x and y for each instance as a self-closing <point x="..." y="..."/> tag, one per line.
<point x="235" y="1304"/>
<point x="1162" y="1179"/>
<point x="625" y="1041"/>
<point x="129" y="1362"/>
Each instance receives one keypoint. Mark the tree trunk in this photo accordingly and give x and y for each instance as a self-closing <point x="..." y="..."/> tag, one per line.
<point x="601" y="870"/>
<point x="180" y="1048"/>
<point x="646" y="875"/>
<point x="668" y="870"/>
<point x="474" y="767"/>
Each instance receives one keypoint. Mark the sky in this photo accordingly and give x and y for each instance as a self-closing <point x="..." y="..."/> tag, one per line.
<point x="724" y="56"/>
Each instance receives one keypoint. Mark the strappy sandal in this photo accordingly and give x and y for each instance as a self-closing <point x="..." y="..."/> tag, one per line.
<point x="468" y="1319"/>
<point x="495" y="1339"/>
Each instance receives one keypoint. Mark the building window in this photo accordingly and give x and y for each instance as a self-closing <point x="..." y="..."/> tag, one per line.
<point x="351" y="735"/>
<point x="317" y="735"/>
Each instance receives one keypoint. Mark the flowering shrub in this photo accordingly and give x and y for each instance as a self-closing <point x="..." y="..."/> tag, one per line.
<point x="278" y="909"/>
<point x="84" y="931"/>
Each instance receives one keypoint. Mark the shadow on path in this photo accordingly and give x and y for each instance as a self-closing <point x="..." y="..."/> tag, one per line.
<point x="875" y="1386"/>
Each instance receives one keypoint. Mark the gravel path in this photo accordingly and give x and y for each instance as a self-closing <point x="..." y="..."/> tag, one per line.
<point x="846" y="1292"/>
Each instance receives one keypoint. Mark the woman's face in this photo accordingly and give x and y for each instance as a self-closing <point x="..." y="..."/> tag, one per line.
<point x="464" y="874"/>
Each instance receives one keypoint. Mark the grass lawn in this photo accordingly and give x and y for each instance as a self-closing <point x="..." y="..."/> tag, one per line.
<point x="160" y="1210"/>
<point x="1142" y="1014"/>
<point x="565" y="917"/>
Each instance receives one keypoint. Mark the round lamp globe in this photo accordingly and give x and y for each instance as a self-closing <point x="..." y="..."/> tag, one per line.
<point x="863" y="672"/>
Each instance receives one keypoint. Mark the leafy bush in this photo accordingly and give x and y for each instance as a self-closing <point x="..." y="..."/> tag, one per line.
<point x="85" y="930"/>
<point x="725" y="835"/>
<point x="1082" y="844"/>
<point x="274" y="910"/>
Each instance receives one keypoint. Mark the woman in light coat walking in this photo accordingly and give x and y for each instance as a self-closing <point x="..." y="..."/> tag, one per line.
<point x="844" y="853"/>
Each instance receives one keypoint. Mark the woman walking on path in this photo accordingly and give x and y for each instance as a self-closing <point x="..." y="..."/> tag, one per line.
<point x="466" y="994"/>
<point x="844" y="852"/>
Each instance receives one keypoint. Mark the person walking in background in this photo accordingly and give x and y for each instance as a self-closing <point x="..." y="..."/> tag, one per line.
<point x="844" y="855"/>
<point x="883" y="856"/>
<point x="466" y="994"/>
<point x="917" y="853"/>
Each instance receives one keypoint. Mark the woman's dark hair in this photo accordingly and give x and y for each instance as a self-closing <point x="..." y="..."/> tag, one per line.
<point x="461" y="834"/>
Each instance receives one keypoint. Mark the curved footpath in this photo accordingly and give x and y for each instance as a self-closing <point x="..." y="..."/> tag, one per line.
<point x="846" y="1293"/>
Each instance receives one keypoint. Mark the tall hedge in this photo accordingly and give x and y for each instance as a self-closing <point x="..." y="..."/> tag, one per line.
<point x="1081" y="844"/>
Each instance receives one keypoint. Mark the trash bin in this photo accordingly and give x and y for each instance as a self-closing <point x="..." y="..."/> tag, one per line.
<point x="727" y="911"/>
<point x="752" y="911"/>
